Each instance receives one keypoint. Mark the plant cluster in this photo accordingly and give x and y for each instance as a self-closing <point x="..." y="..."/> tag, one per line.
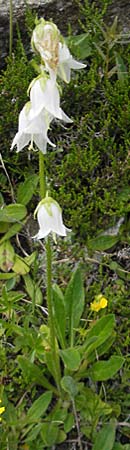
<point x="59" y="349"/>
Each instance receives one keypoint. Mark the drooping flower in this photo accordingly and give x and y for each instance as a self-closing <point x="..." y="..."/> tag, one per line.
<point x="32" y="129"/>
<point x="50" y="220"/>
<point x="2" y="409"/>
<point x="66" y="62"/>
<point x="100" y="302"/>
<point x="45" y="94"/>
<point x="50" y="44"/>
<point x="45" y="40"/>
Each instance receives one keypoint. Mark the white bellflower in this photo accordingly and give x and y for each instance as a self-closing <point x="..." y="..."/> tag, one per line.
<point x="50" y="220"/>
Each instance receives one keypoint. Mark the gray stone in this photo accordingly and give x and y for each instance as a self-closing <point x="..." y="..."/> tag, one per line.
<point x="62" y="12"/>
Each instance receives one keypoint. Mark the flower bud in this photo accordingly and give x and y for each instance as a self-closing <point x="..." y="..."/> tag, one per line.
<point x="45" y="40"/>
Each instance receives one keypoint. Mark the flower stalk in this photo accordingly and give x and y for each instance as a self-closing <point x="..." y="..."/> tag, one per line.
<point x="54" y="353"/>
<point x="42" y="176"/>
<point x="53" y="344"/>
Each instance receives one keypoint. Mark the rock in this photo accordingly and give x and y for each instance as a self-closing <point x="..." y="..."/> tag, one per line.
<point x="62" y="12"/>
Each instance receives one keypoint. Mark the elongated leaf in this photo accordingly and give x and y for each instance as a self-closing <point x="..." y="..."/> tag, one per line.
<point x="101" y="243"/>
<point x="20" y="266"/>
<point x="3" y="227"/>
<point x="101" y="330"/>
<point x="31" y="258"/>
<point x="74" y="302"/>
<point x="11" y="232"/>
<point x="33" y="290"/>
<point x="12" y="213"/>
<point x="7" y="256"/>
<point x="80" y="45"/>
<point x="103" y="370"/>
<point x="106" y="437"/>
<point x="39" y="407"/>
<point x="100" y="51"/>
<point x="59" y="314"/>
<point x="33" y="373"/>
<point x="121" y="68"/>
<point x="33" y="433"/>
<point x="27" y="189"/>
<point x="7" y="276"/>
<point x="49" y="433"/>
<point x="71" y="358"/>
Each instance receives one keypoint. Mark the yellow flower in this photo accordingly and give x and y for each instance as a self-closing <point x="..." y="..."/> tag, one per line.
<point x="100" y="302"/>
<point x="2" y="409"/>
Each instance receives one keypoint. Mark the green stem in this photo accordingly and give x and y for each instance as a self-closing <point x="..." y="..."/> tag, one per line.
<point x="11" y="29"/>
<point x="54" y="353"/>
<point x="42" y="175"/>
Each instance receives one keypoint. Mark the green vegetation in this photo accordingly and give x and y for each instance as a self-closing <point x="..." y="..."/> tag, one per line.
<point x="88" y="174"/>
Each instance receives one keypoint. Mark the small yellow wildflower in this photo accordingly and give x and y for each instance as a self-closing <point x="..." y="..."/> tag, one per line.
<point x="100" y="302"/>
<point x="2" y="409"/>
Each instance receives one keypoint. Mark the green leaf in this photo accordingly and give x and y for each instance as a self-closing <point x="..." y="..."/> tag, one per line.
<point x="101" y="330"/>
<point x="33" y="290"/>
<point x="101" y="243"/>
<point x="80" y="45"/>
<point x="49" y="433"/>
<point x="71" y="358"/>
<point x="32" y="373"/>
<point x="91" y="405"/>
<point x="27" y="189"/>
<point x="103" y="370"/>
<point x="49" y="359"/>
<point x="69" y="385"/>
<point x="20" y="266"/>
<point x="39" y="407"/>
<point x="69" y="422"/>
<point x="118" y="446"/>
<point x="106" y="437"/>
<point x="34" y="433"/>
<point x="112" y="72"/>
<point x="59" y="313"/>
<point x="13" y="230"/>
<point x="121" y="68"/>
<point x="74" y="302"/>
<point x="61" y="437"/>
<point x="31" y="258"/>
<point x="7" y="256"/>
<point x="3" y="227"/>
<point x="7" y="276"/>
<point x="101" y="53"/>
<point x="13" y="213"/>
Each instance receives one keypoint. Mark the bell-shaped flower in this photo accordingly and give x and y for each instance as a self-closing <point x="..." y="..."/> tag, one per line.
<point x="66" y="62"/>
<point x="32" y="129"/>
<point x="50" y="220"/>
<point x="45" y="40"/>
<point x="45" y="94"/>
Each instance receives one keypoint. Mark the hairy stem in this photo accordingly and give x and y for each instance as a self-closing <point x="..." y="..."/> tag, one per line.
<point x="54" y="353"/>
<point x="42" y="178"/>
